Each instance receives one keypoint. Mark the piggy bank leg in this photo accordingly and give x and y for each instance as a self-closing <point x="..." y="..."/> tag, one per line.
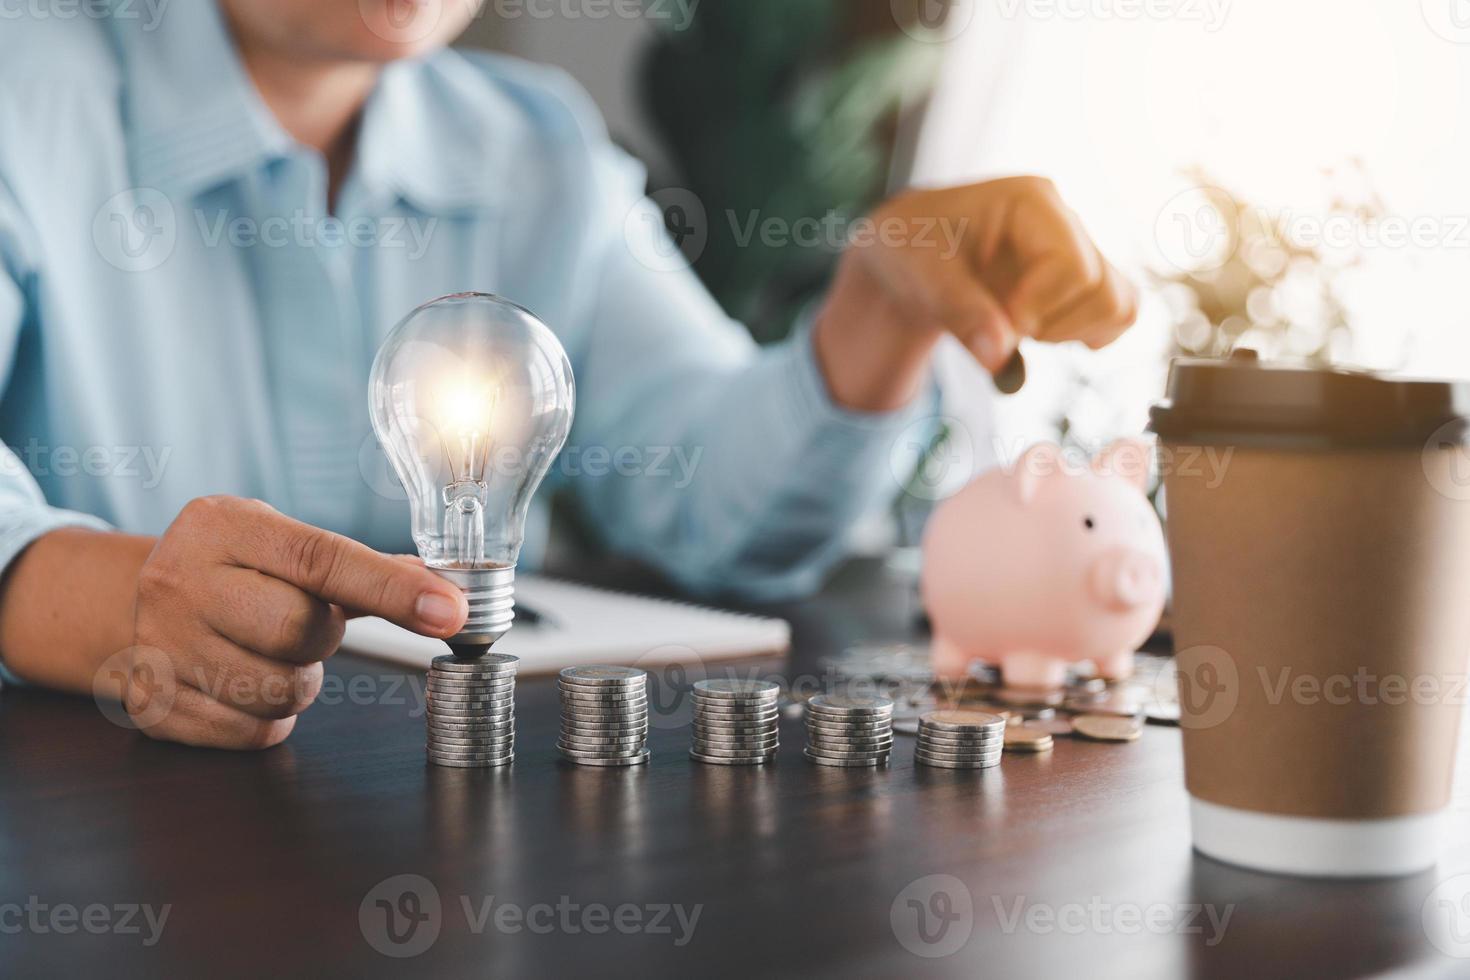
<point x="949" y="660"/>
<point x="1032" y="670"/>
<point x="1117" y="667"/>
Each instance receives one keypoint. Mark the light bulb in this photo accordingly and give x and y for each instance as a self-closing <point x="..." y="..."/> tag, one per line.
<point x="472" y="398"/>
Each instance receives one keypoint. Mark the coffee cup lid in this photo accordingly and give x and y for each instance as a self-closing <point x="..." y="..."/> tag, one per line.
<point x="1241" y="401"/>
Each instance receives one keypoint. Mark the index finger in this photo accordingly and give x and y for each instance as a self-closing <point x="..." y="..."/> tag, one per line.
<point x="337" y="569"/>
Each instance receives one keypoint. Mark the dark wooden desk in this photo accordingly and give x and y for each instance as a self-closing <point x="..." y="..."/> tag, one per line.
<point x="266" y="859"/>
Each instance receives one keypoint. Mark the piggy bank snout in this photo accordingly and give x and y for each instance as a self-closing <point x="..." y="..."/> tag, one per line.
<point x="1123" y="579"/>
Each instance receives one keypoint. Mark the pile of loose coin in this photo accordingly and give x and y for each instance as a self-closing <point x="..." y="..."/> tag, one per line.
<point x="849" y="730"/>
<point x="604" y="716"/>
<point x="959" y="739"/>
<point x="736" y="722"/>
<point x="471" y="711"/>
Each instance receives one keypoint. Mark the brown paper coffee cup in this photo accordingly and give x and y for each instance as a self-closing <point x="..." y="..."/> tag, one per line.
<point x="1321" y="558"/>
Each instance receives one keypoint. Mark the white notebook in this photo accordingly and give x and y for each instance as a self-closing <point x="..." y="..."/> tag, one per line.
<point x="583" y="625"/>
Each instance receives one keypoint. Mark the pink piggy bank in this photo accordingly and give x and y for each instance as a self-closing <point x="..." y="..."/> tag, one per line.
<point x="1045" y="564"/>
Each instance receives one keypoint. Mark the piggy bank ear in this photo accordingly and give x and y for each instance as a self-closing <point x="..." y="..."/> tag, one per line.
<point x="1126" y="458"/>
<point x="1036" y="464"/>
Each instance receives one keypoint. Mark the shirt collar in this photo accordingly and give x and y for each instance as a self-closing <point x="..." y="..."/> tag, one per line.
<point x="196" y="120"/>
<point x="435" y="133"/>
<point x="193" y="115"/>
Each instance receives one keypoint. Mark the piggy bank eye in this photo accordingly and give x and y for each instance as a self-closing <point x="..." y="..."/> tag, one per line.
<point x="1089" y="523"/>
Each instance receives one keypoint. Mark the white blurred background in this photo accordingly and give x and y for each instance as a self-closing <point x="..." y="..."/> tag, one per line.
<point x="1340" y="123"/>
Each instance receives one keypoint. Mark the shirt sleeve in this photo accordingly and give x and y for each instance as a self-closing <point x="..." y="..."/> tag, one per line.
<point x="728" y="466"/>
<point x="24" y="513"/>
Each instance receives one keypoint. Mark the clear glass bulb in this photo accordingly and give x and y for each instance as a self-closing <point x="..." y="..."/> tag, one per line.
<point x="472" y="398"/>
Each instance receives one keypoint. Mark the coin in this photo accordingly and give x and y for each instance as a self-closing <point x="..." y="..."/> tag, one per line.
<point x="496" y="749"/>
<point x="907" y="726"/>
<point x="740" y="743"/>
<point x="960" y="720"/>
<point x="734" y="707"/>
<point x="469" y="755"/>
<point x="962" y="737"/>
<point x="845" y="751"/>
<point x="743" y="721"/>
<point x="600" y="676"/>
<point x="833" y="752"/>
<point x="601" y="712"/>
<point x="702" y="703"/>
<point x="617" y="761"/>
<point x="1052" y="726"/>
<point x="490" y="663"/>
<point x="826" y="738"/>
<point x="493" y="702"/>
<point x="468" y="764"/>
<point x="597" y="741"/>
<point x="468" y="731"/>
<point x="864" y="763"/>
<point x="467" y="715"/>
<point x="452" y="691"/>
<point x="459" y="682"/>
<point x="1024" y="738"/>
<point x="843" y="728"/>
<point x="756" y="721"/>
<point x="946" y="764"/>
<point x="715" y="760"/>
<point x="1107" y="728"/>
<point x="589" y="697"/>
<point x="606" y="717"/>
<point x="1027" y="697"/>
<point x="847" y="705"/>
<point x="737" y="689"/>
<point x="605" y="734"/>
<point x="470" y="712"/>
<point x="713" y="751"/>
<point x="734" y="728"/>
<point x="1011" y="378"/>
<point x="971" y="758"/>
<point x="1117" y="704"/>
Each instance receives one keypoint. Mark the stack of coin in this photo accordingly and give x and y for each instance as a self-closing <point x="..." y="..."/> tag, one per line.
<point x="472" y="711"/>
<point x="960" y="739"/>
<point x="604" y="716"/>
<point x="736" y="722"/>
<point x="849" y="730"/>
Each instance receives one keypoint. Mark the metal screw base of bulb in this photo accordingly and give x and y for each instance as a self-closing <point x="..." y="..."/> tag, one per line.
<point x="491" y="593"/>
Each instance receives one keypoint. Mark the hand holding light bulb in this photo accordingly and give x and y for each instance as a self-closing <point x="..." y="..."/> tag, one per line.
<point x="237" y="605"/>
<point x="214" y="633"/>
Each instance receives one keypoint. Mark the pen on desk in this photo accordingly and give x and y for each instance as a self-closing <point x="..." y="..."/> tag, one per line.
<point x="529" y="616"/>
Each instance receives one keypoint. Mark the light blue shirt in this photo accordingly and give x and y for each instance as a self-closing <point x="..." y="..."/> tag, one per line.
<point x="180" y="316"/>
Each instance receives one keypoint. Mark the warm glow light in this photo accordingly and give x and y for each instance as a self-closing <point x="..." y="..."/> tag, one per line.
<point x="466" y="406"/>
